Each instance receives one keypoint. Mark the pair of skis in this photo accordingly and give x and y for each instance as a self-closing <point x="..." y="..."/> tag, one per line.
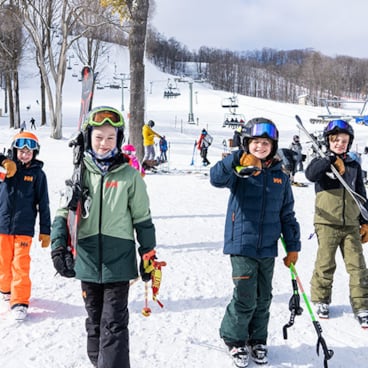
<point x="79" y="200"/>
<point x="358" y="199"/>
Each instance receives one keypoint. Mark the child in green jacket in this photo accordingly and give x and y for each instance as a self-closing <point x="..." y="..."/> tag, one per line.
<point x="106" y="259"/>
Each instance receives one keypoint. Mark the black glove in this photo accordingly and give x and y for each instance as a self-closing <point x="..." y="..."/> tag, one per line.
<point x="330" y="156"/>
<point x="146" y="276"/>
<point x="337" y="162"/>
<point x="63" y="262"/>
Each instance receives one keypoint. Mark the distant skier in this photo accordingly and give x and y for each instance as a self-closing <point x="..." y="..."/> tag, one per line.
<point x="149" y="143"/>
<point x="163" y="149"/>
<point x="297" y="148"/>
<point x="33" y="123"/>
<point x="205" y="140"/>
<point x="130" y="151"/>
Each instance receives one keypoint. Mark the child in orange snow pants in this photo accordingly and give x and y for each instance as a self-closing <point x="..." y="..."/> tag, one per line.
<point x="15" y="265"/>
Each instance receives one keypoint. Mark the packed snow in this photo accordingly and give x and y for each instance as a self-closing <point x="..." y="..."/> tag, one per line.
<point x="189" y="216"/>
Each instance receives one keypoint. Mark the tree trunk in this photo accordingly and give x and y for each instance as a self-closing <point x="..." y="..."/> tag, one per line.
<point x="16" y="101"/>
<point x="137" y="42"/>
<point x="43" y="101"/>
<point x="11" y="100"/>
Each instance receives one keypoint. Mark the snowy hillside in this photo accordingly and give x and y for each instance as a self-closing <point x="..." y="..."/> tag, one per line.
<point x="189" y="216"/>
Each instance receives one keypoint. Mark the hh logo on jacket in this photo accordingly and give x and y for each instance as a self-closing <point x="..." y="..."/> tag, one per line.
<point x="277" y="180"/>
<point x="111" y="184"/>
<point x="28" y="178"/>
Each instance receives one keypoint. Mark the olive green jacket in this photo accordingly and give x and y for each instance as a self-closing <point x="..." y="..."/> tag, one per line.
<point x="119" y="215"/>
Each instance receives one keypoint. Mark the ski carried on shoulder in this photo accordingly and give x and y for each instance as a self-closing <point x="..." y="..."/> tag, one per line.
<point x="78" y="203"/>
<point x="358" y="199"/>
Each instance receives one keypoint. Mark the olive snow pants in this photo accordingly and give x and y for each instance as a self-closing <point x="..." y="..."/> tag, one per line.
<point x="247" y="315"/>
<point x="347" y="238"/>
<point x="15" y="264"/>
<point x="107" y="323"/>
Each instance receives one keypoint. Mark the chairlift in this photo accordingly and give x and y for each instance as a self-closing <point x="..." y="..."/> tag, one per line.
<point x="114" y="86"/>
<point x="360" y="117"/>
<point x="230" y="102"/>
<point x="171" y="90"/>
<point x="233" y="120"/>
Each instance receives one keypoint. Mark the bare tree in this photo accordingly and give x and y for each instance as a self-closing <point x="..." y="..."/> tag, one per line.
<point x="46" y="20"/>
<point x="11" y="39"/>
<point x="135" y="12"/>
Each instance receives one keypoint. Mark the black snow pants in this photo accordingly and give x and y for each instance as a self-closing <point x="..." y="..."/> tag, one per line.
<point x="107" y="323"/>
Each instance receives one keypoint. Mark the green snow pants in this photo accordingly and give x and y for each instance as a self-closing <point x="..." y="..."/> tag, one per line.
<point x="347" y="238"/>
<point x="247" y="315"/>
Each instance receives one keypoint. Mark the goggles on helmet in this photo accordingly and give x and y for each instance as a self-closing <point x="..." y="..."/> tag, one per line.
<point x="29" y="143"/>
<point x="337" y="124"/>
<point x="103" y="116"/>
<point x="264" y="130"/>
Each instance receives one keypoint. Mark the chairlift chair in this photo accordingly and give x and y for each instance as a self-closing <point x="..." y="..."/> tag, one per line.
<point x="230" y="102"/>
<point x="233" y="120"/>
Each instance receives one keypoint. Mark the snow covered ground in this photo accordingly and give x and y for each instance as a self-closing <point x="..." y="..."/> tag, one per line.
<point x="189" y="217"/>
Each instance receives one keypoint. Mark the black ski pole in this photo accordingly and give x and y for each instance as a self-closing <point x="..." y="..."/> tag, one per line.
<point x="294" y="306"/>
<point x="328" y="353"/>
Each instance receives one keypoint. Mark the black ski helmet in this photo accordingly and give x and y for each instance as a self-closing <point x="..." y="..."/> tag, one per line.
<point x="336" y="127"/>
<point x="261" y="128"/>
<point x="100" y="115"/>
<point x="151" y="123"/>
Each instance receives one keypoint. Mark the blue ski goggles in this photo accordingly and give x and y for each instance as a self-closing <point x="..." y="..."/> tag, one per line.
<point x="337" y="124"/>
<point x="103" y="116"/>
<point x="29" y="143"/>
<point x="265" y="129"/>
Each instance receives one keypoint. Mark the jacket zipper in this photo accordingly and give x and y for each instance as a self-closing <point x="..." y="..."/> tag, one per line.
<point x="262" y="209"/>
<point x="99" y="229"/>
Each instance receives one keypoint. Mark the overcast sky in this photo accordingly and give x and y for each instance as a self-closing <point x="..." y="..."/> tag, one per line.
<point x="333" y="27"/>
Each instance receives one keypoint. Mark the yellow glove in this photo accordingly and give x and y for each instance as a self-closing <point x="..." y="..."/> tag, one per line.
<point x="10" y="167"/>
<point x="290" y="258"/>
<point x="45" y="240"/>
<point x="364" y="233"/>
<point x="339" y="165"/>
<point x="249" y="165"/>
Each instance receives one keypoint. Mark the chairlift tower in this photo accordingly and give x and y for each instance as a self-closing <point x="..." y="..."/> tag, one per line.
<point x="122" y="77"/>
<point x="190" y="83"/>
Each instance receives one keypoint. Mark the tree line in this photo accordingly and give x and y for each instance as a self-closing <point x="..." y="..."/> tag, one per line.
<point x="267" y="73"/>
<point x="49" y="29"/>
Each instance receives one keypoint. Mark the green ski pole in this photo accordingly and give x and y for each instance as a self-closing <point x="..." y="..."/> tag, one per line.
<point x="328" y="353"/>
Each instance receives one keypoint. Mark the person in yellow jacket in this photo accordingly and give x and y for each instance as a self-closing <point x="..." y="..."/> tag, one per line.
<point x="149" y="140"/>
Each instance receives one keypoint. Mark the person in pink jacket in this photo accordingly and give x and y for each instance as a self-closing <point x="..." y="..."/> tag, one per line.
<point x="130" y="151"/>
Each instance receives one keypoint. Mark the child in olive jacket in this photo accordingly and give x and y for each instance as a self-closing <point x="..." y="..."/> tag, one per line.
<point x="106" y="258"/>
<point x="338" y="223"/>
<point x="260" y="210"/>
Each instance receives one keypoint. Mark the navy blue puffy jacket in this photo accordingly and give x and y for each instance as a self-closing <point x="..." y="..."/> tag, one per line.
<point x="260" y="209"/>
<point x="21" y="197"/>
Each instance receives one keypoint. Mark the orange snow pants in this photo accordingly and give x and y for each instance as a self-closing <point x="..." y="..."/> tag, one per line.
<point x="15" y="264"/>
